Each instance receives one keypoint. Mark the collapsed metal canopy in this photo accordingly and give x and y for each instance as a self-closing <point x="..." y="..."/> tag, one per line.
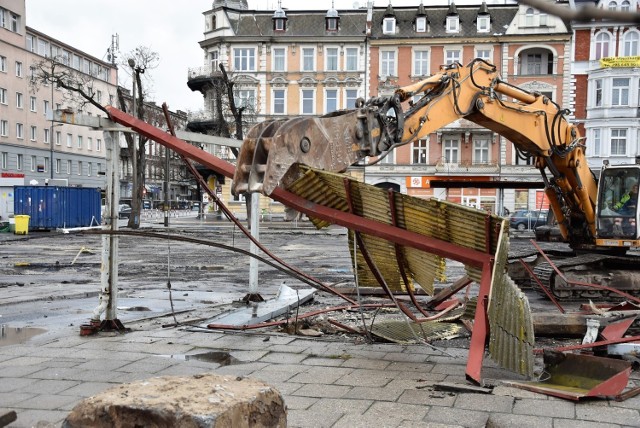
<point x="399" y="227"/>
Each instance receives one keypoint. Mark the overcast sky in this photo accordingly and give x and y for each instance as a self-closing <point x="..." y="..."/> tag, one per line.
<point x="169" y="27"/>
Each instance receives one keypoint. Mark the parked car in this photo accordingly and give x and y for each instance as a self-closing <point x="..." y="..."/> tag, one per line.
<point x="527" y="219"/>
<point x="124" y="211"/>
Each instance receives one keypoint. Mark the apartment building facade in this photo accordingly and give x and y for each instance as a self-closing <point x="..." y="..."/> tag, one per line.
<point x="607" y="97"/>
<point x="292" y="63"/>
<point x="32" y="147"/>
<point x="530" y="49"/>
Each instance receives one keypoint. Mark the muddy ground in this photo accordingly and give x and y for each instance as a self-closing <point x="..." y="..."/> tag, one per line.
<point x="50" y="280"/>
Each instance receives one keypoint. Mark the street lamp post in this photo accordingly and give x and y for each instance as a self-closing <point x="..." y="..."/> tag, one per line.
<point x="51" y="131"/>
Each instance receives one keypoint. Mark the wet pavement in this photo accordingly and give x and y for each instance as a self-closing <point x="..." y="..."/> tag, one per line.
<point x="337" y="380"/>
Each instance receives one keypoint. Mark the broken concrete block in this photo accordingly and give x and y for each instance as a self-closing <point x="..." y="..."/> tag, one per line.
<point x="199" y="401"/>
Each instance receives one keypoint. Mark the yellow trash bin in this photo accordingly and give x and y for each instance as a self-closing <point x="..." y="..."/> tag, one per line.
<point x="22" y="224"/>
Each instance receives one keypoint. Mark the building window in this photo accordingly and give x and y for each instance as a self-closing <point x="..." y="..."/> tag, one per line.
<point x="43" y="48"/>
<point x="620" y="92"/>
<point x="596" y="143"/>
<point x="421" y="63"/>
<point x="279" y="24"/>
<point x="18" y="69"/>
<point x="389" y="159"/>
<point x="68" y="167"/>
<point x="34" y="161"/>
<point x="3" y="96"/>
<point x="80" y="141"/>
<point x="5" y="159"/>
<point x="278" y="101"/>
<point x="528" y="17"/>
<point x="331" y="98"/>
<point x="69" y="140"/>
<point x="453" y="56"/>
<point x="47" y="135"/>
<point x="214" y="61"/>
<point x="79" y="167"/>
<point x="625" y="6"/>
<point x="613" y="5"/>
<point x="308" y="59"/>
<point x="34" y="133"/>
<point x="98" y="145"/>
<point x="15" y="22"/>
<point x="332" y="59"/>
<point x="45" y="107"/>
<point x="89" y="143"/>
<point x="534" y="64"/>
<point x="4" y="128"/>
<point x="631" y="43"/>
<point x="420" y="151"/>
<point x="352" y="59"/>
<point x="3" y="64"/>
<point x="483" y="24"/>
<point x="618" y="142"/>
<point x="244" y="59"/>
<point x="19" y="131"/>
<point x="18" y="100"/>
<point x="46" y="164"/>
<point x="351" y="95"/>
<point x="453" y="24"/>
<point x="450" y="146"/>
<point x="332" y="24"/>
<point x="57" y="166"/>
<point x="421" y="24"/>
<point x="483" y="54"/>
<point x="389" y="25"/>
<point x="19" y="162"/>
<point x="3" y="18"/>
<point x="58" y="138"/>
<point x="481" y="151"/>
<point x="602" y="45"/>
<point x="245" y="98"/>
<point x="32" y="103"/>
<point x="279" y="59"/>
<point x="89" y="169"/>
<point x="598" y="92"/>
<point x="308" y="101"/>
<point x="388" y="63"/>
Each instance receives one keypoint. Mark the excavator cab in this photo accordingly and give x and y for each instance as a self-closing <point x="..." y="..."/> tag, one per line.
<point x="617" y="213"/>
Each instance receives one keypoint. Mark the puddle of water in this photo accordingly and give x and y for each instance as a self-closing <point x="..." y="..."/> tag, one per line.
<point x="14" y="335"/>
<point x="222" y="358"/>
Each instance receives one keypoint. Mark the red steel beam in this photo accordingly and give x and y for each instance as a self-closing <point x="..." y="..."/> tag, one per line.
<point x="393" y="234"/>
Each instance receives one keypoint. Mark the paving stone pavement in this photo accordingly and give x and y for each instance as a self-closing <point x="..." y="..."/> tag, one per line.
<point x="325" y="384"/>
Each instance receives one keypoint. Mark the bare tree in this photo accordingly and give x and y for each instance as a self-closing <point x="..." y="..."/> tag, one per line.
<point x="139" y="61"/>
<point x="80" y="88"/>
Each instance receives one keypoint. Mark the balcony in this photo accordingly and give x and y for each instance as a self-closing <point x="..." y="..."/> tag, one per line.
<point x="202" y="78"/>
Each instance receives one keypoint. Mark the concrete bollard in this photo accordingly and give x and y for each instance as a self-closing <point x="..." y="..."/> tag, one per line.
<point x="199" y="401"/>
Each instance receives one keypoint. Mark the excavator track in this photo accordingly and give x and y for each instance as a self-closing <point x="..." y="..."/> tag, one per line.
<point x="619" y="272"/>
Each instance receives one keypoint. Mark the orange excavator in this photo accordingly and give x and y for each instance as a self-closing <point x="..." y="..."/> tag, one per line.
<point x="596" y="216"/>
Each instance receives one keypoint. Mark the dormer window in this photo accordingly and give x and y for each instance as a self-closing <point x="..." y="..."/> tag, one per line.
<point x="279" y="20"/>
<point x="389" y="25"/>
<point x="453" y="19"/>
<point x="421" y="24"/>
<point x="453" y="24"/>
<point x="389" y="21"/>
<point x="331" y="19"/>
<point x="484" y="22"/>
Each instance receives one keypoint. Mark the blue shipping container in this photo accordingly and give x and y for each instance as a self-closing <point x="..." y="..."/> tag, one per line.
<point x="52" y="207"/>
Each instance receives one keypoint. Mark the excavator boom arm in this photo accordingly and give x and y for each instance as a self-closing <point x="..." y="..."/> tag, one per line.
<point x="532" y="122"/>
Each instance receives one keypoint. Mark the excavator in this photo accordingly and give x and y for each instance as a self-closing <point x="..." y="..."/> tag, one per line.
<point x="596" y="216"/>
